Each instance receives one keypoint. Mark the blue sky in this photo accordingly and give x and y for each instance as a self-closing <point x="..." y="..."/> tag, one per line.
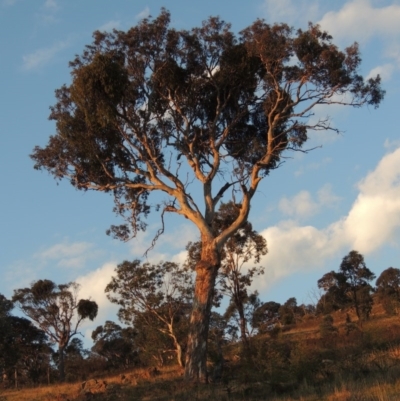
<point x="313" y="210"/>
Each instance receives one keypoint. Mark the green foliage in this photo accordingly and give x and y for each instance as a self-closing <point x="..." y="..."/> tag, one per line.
<point x="335" y="286"/>
<point x="55" y="309"/>
<point x="388" y="290"/>
<point x="349" y="287"/>
<point x="116" y="344"/>
<point x="358" y="277"/>
<point x="266" y="316"/>
<point x="153" y="298"/>
<point x="289" y="312"/>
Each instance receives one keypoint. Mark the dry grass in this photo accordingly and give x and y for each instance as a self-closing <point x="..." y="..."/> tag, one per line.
<point x="169" y="386"/>
<point x="380" y="383"/>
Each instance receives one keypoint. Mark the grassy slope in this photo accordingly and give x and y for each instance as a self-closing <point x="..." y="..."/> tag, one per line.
<point x="365" y="365"/>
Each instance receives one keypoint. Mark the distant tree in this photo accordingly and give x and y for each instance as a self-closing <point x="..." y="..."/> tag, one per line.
<point x="349" y="287"/>
<point x="24" y="350"/>
<point x="56" y="310"/>
<point x="116" y="344"/>
<point x="388" y="290"/>
<point x="266" y="316"/>
<point x="289" y="312"/>
<point x="8" y="353"/>
<point x="335" y="297"/>
<point x="33" y="351"/>
<point x="159" y="295"/>
<point x="159" y="110"/>
<point x="358" y="277"/>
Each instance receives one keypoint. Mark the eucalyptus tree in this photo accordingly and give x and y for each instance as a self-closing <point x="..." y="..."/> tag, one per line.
<point x="56" y="310"/>
<point x="157" y="296"/>
<point x="116" y="344"/>
<point x="388" y="290"/>
<point x="195" y="115"/>
<point x="349" y="287"/>
<point x="358" y="277"/>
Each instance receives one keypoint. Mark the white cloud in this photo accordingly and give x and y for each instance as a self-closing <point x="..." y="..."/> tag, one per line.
<point x="290" y="11"/>
<point x="94" y="283"/>
<point x="372" y="222"/>
<point x="92" y="287"/>
<point x="303" y="205"/>
<point x="143" y="14"/>
<point x="293" y="248"/>
<point x="375" y="216"/>
<point x="359" y="20"/>
<point x="110" y="25"/>
<point x="68" y="254"/>
<point x="41" y="57"/>
<point x="385" y="71"/>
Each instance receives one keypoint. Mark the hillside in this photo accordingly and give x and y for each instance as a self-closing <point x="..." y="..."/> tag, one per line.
<point x="308" y="361"/>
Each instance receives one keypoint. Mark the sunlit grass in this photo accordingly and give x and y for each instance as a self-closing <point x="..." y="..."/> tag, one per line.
<point x="374" y="375"/>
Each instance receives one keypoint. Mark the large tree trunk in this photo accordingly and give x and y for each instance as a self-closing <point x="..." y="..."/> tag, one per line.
<point x="196" y="355"/>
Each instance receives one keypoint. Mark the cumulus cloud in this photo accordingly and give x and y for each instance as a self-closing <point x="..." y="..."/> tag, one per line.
<point x="302" y="205"/>
<point x="92" y="287"/>
<point x="293" y="248"/>
<point x="41" y="57"/>
<point x="361" y="20"/>
<point x="372" y="222"/>
<point x="374" y="219"/>
<point x="94" y="283"/>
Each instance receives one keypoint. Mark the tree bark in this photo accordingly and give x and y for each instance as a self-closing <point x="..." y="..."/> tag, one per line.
<point x="243" y="327"/>
<point x="179" y="354"/>
<point x="196" y="355"/>
<point x="61" y="369"/>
